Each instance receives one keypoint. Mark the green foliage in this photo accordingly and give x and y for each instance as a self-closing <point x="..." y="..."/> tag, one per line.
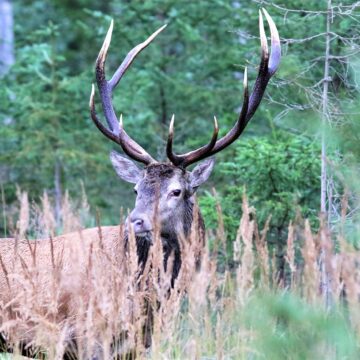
<point x="280" y="175"/>
<point x="42" y="130"/>
<point x="271" y="325"/>
<point x="193" y="69"/>
<point x="46" y="93"/>
<point x="286" y="325"/>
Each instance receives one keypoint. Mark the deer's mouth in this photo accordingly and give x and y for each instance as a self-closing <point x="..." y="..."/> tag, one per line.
<point x="144" y="234"/>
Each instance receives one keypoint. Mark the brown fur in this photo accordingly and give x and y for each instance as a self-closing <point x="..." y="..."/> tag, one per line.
<point x="38" y="271"/>
<point x="68" y="254"/>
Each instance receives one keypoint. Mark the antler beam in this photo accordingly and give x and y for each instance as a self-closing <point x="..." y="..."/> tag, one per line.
<point x="115" y="131"/>
<point x="267" y="68"/>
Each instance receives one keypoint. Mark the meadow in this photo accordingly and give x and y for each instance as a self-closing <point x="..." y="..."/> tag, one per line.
<point x="218" y="312"/>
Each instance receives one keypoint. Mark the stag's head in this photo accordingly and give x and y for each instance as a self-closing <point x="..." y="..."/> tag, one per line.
<point x="165" y="190"/>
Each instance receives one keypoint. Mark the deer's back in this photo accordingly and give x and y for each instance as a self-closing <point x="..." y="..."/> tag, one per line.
<point x="66" y="256"/>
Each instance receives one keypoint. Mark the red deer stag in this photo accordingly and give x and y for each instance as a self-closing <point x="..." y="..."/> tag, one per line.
<point x="164" y="188"/>
<point x="170" y="181"/>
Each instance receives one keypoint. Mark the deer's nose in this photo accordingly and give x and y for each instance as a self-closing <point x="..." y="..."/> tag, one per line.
<point x="137" y="223"/>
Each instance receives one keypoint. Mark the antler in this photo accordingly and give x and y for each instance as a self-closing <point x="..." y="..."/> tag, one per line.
<point x="115" y="132"/>
<point x="267" y="69"/>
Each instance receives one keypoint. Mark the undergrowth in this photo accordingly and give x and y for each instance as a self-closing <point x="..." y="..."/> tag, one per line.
<point x="96" y="293"/>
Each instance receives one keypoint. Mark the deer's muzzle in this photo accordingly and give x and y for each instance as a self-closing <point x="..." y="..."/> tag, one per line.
<point x="140" y="223"/>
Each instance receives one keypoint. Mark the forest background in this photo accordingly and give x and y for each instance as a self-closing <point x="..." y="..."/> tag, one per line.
<point x="299" y="154"/>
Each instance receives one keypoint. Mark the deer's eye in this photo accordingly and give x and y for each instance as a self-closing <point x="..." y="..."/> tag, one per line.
<point x="176" y="193"/>
<point x="135" y="191"/>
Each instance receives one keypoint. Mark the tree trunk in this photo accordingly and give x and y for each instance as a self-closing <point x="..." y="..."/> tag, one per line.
<point x="325" y="278"/>
<point x="58" y="194"/>
<point x="325" y="113"/>
<point x="6" y="36"/>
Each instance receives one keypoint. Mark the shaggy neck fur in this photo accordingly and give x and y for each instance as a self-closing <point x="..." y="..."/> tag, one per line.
<point x="170" y="241"/>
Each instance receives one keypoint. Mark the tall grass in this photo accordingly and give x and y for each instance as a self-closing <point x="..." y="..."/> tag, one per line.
<point x="246" y="312"/>
<point x="37" y="220"/>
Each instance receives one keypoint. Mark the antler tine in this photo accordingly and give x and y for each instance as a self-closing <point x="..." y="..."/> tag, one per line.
<point x="275" y="45"/>
<point x="105" y="92"/>
<point x="267" y="68"/>
<point x="131" y="56"/>
<point x="171" y="156"/>
<point x="181" y="160"/>
<point x="131" y="148"/>
<point x="115" y="132"/>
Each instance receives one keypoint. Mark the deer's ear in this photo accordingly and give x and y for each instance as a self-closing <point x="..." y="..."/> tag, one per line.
<point x="201" y="172"/>
<point x="125" y="168"/>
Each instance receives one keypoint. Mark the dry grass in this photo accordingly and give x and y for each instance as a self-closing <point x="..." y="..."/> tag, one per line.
<point x="37" y="221"/>
<point x="239" y="314"/>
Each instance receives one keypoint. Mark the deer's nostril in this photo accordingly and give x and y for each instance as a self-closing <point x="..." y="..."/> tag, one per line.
<point x="138" y="222"/>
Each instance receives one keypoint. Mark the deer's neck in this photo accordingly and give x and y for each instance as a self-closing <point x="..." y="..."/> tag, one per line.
<point x="171" y="240"/>
<point x="188" y="216"/>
